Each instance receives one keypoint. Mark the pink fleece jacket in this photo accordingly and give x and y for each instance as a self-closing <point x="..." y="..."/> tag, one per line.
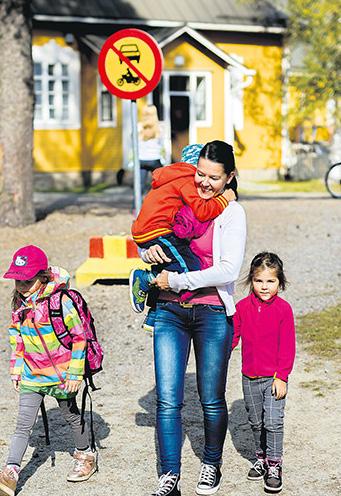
<point x="267" y="331"/>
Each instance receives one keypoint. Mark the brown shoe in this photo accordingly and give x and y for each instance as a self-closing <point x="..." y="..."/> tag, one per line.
<point x="85" y="465"/>
<point x="8" y="481"/>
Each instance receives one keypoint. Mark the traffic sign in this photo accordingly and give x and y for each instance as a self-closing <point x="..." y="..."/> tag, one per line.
<point x="130" y="63"/>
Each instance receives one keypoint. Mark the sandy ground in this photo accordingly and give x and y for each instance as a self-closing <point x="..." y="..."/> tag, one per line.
<point x="306" y="234"/>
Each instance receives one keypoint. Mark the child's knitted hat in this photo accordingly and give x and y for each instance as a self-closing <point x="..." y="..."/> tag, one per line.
<point x="190" y="153"/>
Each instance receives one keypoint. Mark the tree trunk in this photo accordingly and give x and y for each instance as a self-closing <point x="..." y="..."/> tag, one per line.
<point x="16" y="113"/>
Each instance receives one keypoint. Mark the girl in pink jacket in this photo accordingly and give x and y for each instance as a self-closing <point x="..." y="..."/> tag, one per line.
<point x="265" y="324"/>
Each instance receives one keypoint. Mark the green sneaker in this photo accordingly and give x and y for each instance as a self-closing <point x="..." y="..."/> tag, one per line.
<point x="139" y="285"/>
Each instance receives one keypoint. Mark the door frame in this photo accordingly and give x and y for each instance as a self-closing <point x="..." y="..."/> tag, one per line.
<point x="191" y="93"/>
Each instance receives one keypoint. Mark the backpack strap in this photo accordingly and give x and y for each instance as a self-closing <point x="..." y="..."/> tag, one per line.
<point x="45" y="422"/>
<point x="84" y="395"/>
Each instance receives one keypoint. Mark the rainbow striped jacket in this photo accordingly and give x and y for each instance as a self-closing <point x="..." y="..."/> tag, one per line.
<point x="38" y="358"/>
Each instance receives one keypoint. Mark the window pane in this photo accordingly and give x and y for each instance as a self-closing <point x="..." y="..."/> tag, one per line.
<point x="65" y="70"/>
<point x="51" y="99"/>
<point x="106" y="107"/>
<point x="51" y="85"/>
<point x="200" y="99"/>
<point x="179" y="83"/>
<point x="37" y="69"/>
<point x="65" y="113"/>
<point x="65" y="86"/>
<point x="50" y="69"/>
<point x="37" y="85"/>
<point x="65" y="100"/>
<point x="37" y="99"/>
<point x="51" y="113"/>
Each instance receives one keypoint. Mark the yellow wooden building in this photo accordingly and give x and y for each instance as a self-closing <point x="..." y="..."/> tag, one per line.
<point x="222" y="79"/>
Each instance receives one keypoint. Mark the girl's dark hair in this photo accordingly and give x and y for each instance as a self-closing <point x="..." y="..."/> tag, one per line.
<point x="267" y="260"/>
<point x="45" y="276"/>
<point x="222" y="153"/>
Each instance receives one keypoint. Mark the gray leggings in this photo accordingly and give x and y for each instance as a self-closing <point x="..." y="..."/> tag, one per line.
<point x="266" y="416"/>
<point x="29" y="404"/>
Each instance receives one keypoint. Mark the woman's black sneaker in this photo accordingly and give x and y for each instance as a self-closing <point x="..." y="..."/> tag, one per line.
<point x="273" y="477"/>
<point x="209" y="479"/>
<point x="257" y="471"/>
<point x="169" y="485"/>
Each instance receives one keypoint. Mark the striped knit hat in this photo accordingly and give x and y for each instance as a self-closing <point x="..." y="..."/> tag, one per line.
<point x="190" y="153"/>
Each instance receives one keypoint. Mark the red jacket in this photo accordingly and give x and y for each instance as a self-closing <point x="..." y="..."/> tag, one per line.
<point x="267" y="331"/>
<point x="172" y="187"/>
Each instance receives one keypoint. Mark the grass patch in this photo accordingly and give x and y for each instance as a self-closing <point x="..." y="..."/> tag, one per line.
<point x="320" y="333"/>
<point x="311" y="186"/>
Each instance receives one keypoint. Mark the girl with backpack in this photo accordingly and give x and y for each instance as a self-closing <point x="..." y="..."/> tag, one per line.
<point x="40" y="365"/>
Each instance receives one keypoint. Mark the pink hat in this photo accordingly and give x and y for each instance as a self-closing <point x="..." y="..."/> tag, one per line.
<point x="26" y="263"/>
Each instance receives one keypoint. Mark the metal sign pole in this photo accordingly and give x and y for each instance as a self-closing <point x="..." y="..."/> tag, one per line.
<point x="137" y="172"/>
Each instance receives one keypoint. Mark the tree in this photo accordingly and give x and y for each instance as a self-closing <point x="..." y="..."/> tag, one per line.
<point x="16" y="113"/>
<point x="315" y="24"/>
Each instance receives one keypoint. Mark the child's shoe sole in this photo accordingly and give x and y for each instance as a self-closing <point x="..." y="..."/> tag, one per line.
<point x="81" y="479"/>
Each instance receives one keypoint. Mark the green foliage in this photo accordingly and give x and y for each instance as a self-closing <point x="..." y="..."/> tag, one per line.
<point x="316" y="24"/>
<point x="320" y="333"/>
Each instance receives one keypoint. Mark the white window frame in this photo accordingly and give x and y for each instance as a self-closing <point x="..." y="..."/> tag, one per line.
<point x="52" y="53"/>
<point x="113" y="122"/>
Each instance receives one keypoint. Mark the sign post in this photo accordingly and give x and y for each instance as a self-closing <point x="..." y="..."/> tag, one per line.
<point x="130" y="65"/>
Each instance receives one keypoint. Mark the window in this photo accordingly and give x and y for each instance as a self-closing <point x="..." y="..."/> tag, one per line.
<point x="200" y="99"/>
<point x="106" y="107"/>
<point x="196" y="86"/>
<point x="56" y="87"/>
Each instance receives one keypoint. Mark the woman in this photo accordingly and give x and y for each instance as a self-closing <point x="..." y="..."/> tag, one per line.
<point x="207" y="320"/>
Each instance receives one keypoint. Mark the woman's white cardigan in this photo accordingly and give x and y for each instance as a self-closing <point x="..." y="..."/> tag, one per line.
<point x="229" y="238"/>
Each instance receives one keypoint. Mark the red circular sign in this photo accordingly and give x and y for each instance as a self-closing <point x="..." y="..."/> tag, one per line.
<point x="130" y="63"/>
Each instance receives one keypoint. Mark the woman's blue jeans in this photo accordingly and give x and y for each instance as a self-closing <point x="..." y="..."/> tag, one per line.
<point x="211" y="331"/>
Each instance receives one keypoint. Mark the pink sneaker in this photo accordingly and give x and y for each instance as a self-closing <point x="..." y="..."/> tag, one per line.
<point x="8" y="481"/>
<point x="85" y="465"/>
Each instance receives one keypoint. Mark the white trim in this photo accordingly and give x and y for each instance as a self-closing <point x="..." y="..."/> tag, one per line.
<point x="228" y="118"/>
<point x="225" y="57"/>
<point x="52" y="53"/>
<point x="246" y="28"/>
<point x="286" y="155"/>
<point x="113" y="122"/>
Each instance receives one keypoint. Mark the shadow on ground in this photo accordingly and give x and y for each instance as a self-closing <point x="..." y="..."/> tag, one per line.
<point x="192" y="421"/>
<point x="61" y="441"/>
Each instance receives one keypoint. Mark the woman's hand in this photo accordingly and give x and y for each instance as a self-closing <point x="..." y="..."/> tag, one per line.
<point x="72" y="386"/>
<point x="155" y="255"/>
<point x="161" y="281"/>
<point x="16" y="385"/>
<point x="279" y="388"/>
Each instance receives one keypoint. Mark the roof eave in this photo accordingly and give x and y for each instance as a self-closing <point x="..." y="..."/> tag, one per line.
<point x="247" y="28"/>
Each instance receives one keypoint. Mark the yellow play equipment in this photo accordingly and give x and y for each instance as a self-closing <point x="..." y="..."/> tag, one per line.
<point x="110" y="257"/>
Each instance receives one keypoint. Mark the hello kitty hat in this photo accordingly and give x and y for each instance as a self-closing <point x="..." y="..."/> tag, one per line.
<point x="26" y="263"/>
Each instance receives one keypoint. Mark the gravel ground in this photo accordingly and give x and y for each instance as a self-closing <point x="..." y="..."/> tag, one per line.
<point x="306" y="234"/>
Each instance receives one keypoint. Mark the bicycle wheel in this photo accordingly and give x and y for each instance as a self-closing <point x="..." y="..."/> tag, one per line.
<point x="333" y="180"/>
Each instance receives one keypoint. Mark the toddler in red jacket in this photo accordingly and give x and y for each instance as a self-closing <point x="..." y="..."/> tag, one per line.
<point x="265" y="324"/>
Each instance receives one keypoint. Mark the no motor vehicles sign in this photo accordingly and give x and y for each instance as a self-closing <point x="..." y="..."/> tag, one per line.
<point x="130" y="63"/>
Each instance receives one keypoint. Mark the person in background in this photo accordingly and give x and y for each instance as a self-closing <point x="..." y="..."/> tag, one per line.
<point x="150" y="145"/>
<point x="265" y="324"/>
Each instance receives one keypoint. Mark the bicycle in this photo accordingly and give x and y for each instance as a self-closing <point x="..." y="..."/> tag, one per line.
<point x="333" y="180"/>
